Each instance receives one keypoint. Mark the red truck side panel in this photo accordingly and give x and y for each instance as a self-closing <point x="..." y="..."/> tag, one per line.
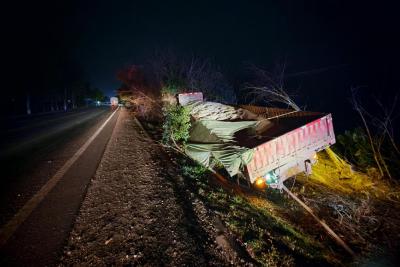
<point x="295" y="144"/>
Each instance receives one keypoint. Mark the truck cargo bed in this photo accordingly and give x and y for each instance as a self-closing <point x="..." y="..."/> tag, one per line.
<point x="290" y="142"/>
<point x="283" y="121"/>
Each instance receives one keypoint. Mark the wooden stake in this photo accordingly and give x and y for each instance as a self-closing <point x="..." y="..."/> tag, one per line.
<point x="323" y="224"/>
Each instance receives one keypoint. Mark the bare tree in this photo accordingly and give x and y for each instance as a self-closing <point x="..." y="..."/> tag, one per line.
<point x="385" y="124"/>
<point x="270" y="88"/>
<point x="385" y="128"/>
<point x="192" y="74"/>
<point x="375" y="143"/>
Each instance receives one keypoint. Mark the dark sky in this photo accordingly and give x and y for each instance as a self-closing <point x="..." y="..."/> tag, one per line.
<point x="351" y="44"/>
<point x="309" y="36"/>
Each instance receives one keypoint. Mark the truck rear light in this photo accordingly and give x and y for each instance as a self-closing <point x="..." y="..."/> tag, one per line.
<point x="271" y="178"/>
<point x="260" y="183"/>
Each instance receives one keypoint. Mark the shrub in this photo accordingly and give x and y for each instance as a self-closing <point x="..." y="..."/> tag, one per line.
<point x="195" y="171"/>
<point x="355" y="147"/>
<point x="170" y="89"/>
<point x="176" y="125"/>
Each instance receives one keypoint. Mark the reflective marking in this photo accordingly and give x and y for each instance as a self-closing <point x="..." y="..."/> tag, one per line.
<point x="8" y="230"/>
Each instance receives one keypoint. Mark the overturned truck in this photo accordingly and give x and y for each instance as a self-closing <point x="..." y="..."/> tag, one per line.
<point x="263" y="145"/>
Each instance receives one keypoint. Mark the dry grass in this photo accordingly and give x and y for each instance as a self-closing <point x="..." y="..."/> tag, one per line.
<point x="335" y="173"/>
<point x="363" y="209"/>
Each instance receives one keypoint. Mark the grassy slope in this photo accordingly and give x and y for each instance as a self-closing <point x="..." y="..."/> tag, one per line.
<point x="275" y="231"/>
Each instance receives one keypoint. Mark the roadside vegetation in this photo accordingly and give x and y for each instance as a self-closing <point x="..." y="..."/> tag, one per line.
<point x="256" y="224"/>
<point x="176" y="125"/>
<point x="353" y="187"/>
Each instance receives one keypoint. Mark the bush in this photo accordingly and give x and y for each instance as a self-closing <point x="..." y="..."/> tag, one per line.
<point x="355" y="147"/>
<point x="176" y="125"/>
<point x="170" y="89"/>
<point x="195" y="171"/>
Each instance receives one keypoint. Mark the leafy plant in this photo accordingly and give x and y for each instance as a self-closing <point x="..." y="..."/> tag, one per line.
<point x="354" y="146"/>
<point x="176" y="125"/>
<point x="194" y="171"/>
<point x="170" y="89"/>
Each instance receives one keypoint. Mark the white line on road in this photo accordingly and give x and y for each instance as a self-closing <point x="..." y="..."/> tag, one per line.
<point x="8" y="230"/>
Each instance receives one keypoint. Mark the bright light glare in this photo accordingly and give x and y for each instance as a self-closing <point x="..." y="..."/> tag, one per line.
<point x="260" y="182"/>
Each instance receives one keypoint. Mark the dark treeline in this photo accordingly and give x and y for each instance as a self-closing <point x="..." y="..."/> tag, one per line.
<point x="41" y="74"/>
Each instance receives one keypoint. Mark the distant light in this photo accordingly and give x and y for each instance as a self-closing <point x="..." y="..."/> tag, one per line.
<point x="98" y="102"/>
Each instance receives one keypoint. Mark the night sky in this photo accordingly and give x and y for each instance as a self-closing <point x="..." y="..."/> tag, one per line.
<point x="328" y="46"/>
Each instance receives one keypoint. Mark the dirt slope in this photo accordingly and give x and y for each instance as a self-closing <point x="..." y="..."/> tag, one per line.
<point x="136" y="212"/>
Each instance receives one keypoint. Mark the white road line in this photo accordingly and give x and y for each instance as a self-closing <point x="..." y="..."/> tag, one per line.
<point x="8" y="230"/>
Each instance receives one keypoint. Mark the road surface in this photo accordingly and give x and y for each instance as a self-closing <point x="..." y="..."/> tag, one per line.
<point x="47" y="162"/>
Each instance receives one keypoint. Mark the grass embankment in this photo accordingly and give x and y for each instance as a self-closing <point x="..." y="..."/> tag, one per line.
<point x="256" y="224"/>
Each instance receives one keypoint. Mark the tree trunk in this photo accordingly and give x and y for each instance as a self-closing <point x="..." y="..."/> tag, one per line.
<point x="394" y="144"/>
<point x="383" y="162"/>
<point x="73" y="101"/>
<point x="28" y="104"/>
<point x="372" y="144"/>
<point x="65" y="99"/>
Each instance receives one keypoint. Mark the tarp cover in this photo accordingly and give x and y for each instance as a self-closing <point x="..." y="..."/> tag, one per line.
<point x="215" y="139"/>
<point x="212" y="111"/>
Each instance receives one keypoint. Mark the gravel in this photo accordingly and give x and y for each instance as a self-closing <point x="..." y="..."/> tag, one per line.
<point x="137" y="211"/>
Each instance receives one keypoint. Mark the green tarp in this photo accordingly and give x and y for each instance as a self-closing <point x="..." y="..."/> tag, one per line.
<point x="215" y="139"/>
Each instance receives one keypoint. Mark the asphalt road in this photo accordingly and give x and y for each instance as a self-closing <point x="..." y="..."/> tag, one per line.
<point x="32" y="153"/>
